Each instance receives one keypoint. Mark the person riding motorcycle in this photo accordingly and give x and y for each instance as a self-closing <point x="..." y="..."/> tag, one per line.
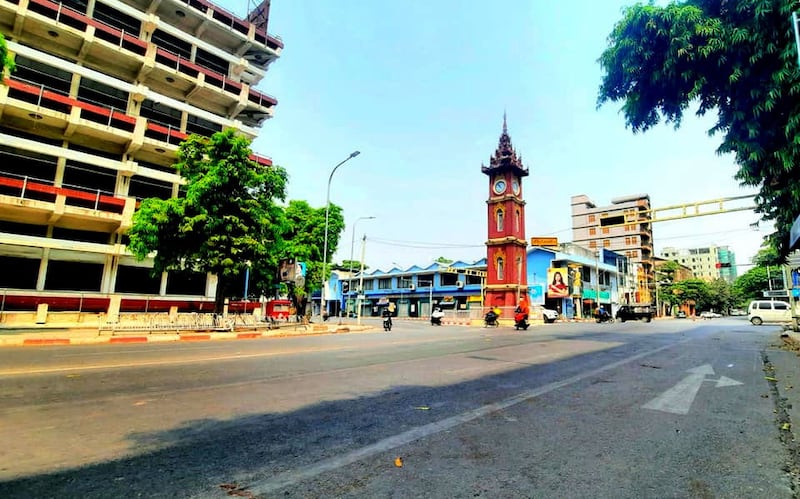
<point x="387" y="319"/>
<point x="603" y="315"/>
<point x="436" y="317"/>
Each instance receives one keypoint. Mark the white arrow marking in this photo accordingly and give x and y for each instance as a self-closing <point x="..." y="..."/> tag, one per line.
<point x="679" y="398"/>
<point x="723" y="381"/>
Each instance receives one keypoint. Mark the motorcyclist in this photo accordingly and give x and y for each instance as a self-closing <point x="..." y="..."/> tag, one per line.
<point x="387" y="319"/>
<point x="521" y="314"/>
<point x="436" y="316"/>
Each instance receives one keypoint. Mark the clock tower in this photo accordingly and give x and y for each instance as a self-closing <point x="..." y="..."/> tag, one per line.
<point x="506" y="255"/>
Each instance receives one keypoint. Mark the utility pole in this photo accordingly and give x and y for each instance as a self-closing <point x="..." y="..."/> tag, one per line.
<point x="597" y="277"/>
<point x="361" y="279"/>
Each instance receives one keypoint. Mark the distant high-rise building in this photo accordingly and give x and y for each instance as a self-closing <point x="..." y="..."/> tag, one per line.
<point x="623" y="227"/>
<point x="710" y="262"/>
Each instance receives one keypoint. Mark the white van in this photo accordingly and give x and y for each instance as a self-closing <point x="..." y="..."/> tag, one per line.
<point x="761" y="311"/>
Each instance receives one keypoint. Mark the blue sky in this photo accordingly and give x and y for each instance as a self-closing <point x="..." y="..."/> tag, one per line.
<point x="420" y="88"/>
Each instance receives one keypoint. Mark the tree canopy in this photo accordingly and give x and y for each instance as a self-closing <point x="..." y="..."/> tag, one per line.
<point x="226" y="217"/>
<point x="6" y="62"/>
<point x="304" y="240"/>
<point x="735" y="57"/>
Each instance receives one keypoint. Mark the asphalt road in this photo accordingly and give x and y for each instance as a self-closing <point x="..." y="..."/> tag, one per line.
<point x="667" y="409"/>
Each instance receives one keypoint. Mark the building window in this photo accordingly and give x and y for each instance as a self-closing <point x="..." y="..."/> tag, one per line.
<point x="500" y="223"/>
<point x="592" y="218"/>
<point x="424" y="280"/>
<point x="605" y="230"/>
<point x="385" y="283"/>
<point x="606" y="243"/>
<point x="627" y="241"/>
<point x="500" y="272"/>
<point x="516" y="220"/>
<point x="448" y="279"/>
<point x="592" y="244"/>
<point x="519" y="267"/>
<point x="369" y="284"/>
<point x="592" y="231"/>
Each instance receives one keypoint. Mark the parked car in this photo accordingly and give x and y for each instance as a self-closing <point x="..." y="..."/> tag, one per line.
<point x="549" y="315"/>
<point x="710" y="315"/>
<point x="680" y="315"/>
<point x="635" y="312"/>
<point x="761" y="311"/>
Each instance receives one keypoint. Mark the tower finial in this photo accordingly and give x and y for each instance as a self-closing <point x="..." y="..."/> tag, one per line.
<point x="505" y="126"/>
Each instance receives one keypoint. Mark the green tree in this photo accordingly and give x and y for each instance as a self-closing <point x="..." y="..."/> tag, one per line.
<point x="720" y="297"/>
<point x="304" y="240"/>
<point x="443" y="261"/>
<point x="735" y="57"/>
<point x="690" y="290"/>
<point x="6" y="62"/>
<point x="752" y="284"/>
<point x="348" y="264"/>
<point x="226" y="217"/>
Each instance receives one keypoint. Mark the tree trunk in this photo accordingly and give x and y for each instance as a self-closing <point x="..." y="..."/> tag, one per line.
<point x="219" y="297"/>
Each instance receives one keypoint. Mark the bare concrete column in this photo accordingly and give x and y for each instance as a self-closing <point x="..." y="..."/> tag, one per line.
<point x="112" y="315"/>
<point x="40" y="279"/>
<point x="41" y="313"/>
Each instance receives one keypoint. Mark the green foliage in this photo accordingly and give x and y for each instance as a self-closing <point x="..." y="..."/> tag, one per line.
<point x="690" y="290"/>
<point x="736" y="57"/>
<point x="750" y="285"/>
<point x="6" y="62"/>
<point x="346" y="265"/>
<point x="227" y="217"/>
<point x="443" y="261"/>
<point x="719" y="297"/>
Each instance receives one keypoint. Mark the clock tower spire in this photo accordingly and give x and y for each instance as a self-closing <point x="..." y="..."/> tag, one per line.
<point x="506" y="256"/>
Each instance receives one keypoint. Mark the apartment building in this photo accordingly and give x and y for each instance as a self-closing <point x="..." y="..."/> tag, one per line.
<point x="709" y="263"/>
<point x="90" y="121"/>
<point x="623" y="227"/>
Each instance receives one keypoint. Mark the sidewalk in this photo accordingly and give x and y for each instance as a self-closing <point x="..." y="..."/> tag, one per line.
<point x="82" y="335"/>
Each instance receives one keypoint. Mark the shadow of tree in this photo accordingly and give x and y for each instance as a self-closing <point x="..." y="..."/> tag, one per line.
<point x="209" y="457"/>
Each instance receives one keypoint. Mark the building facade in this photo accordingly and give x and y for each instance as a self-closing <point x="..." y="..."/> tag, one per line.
<point x="622" y="227"/>
<point x="460" y="287"/>
<point x="456" y="288"/>
<point x="90" y="122"/>
<point x="709" y="263"/>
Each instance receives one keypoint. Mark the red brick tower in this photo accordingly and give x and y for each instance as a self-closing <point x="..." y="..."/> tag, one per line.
<point x="506" y="257"/>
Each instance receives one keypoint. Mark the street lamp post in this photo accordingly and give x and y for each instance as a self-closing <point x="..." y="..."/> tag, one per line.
<point x="246" y="279"/>
<point x="322" y="302"/>
<point x="352" y="243"/>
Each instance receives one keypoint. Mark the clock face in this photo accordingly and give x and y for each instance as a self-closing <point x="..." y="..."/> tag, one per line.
<point x="515" y="186"/>
<point x="499" y="186"/>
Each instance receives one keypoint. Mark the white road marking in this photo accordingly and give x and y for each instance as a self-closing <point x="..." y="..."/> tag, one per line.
<point x="290" y="478"/>
<point x="679" y="398"/>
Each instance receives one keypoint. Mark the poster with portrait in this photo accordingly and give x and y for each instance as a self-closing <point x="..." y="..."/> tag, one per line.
<point x="557" y="283"/>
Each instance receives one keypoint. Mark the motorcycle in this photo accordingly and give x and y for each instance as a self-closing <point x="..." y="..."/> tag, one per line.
<point x="521" y="321"/>
<point x="490" y="319"/>
<point x="387" y="322"/>
<point x="436" y="317"/>
<point x="604" y="317"/>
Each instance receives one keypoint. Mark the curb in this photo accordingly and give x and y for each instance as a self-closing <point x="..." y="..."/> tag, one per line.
<point x="83" y="337"/>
